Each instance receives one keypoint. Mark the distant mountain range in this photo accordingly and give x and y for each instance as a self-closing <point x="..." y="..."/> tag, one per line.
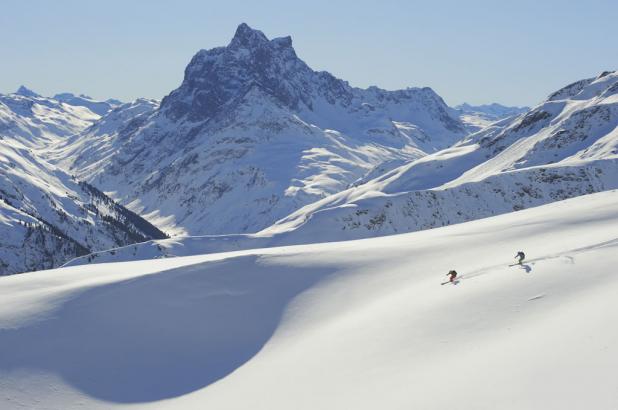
<point x="47" y="216"/>
<point x="479" y="116"/>
<point x="97" y="107"/>
<point x="564" y="147"/>
<point x="255" y="148"/>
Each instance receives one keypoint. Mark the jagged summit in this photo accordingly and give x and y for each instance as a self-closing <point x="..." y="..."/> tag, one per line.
<point x="605" y="73"/>
<point x="26" y="92"/>
<point x="282" y="41"/>
<point x="245" y="36"/>
<point x="218" y="79"/>
<point x="222" y="75"/>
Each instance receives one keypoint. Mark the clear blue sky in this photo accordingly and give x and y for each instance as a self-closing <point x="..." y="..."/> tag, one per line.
<point x="513" y="52"/>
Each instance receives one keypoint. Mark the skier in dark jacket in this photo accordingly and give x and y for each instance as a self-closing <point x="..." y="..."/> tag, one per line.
<point x="451" y="275"/>
<point x="521" y="256"/>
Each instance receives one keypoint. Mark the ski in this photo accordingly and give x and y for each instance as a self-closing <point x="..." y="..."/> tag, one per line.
<point x="447" y="282"/>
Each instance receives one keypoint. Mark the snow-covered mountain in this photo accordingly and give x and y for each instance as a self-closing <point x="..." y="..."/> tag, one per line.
<point x="253" y="134"/>
<point x="98" y="107"/>
<point x="564" y="147"/>
<point x="47" y="217"/>
<point x="26" y="92"/>
<point x="92" y="149"/>
<point x="349" y="325"/>
<point x="39" y="122"/>
<point x="476" y="117"/>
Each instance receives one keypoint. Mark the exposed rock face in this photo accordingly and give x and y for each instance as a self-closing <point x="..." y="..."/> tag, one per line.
<point x="216" y="80"/>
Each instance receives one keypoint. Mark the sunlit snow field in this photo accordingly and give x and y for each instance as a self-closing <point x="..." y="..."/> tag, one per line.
<point x="350" y="325"/>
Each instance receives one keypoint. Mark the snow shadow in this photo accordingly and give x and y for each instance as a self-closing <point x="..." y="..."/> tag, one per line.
<point x="163" y="335"/>
<point x="526" y="267"/>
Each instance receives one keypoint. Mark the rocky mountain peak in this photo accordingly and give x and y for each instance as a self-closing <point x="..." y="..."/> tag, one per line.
<point x="26" y="92"/>
<point x="247" y="37"/>
<point x="222" y="75"/>
<point x="604" y="74"/>
<point x="282" y="42"/>
<point x="217" y="80"/>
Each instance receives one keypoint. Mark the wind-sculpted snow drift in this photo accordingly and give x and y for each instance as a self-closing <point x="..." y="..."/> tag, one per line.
<point x="350" y="325"/>
<point x="251" y="135"/>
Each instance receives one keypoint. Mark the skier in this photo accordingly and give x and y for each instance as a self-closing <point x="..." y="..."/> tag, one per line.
<point x="521" y="257"/>
<point x="451" y="278"/>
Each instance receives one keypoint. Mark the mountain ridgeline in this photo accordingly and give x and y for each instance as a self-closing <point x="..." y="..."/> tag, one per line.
<point x="564" y="147"/>
<point x="47" y="217"/>
<point x="256" y="149"/>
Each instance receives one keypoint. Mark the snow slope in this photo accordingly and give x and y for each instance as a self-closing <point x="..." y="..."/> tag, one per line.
<point x="251" y="135"/>
<point x="356" y="325"/>
<point x="98" y="141"/>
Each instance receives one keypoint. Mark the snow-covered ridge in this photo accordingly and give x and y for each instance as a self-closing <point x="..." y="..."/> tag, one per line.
<point x="46" y="215"/>
<point x="476" y="117"/>
<point x="559" y="149"/>
<point x="252" y="134"/>
<point x="100" y="141"/>
<point x="365" y="323"/>
<point x="38" y="122"/>
<point x="97" y="107"/>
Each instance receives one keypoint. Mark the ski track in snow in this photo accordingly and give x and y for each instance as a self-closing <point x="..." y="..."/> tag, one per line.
<point x="565" y="256"/>
<point x="358" y="324"/>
